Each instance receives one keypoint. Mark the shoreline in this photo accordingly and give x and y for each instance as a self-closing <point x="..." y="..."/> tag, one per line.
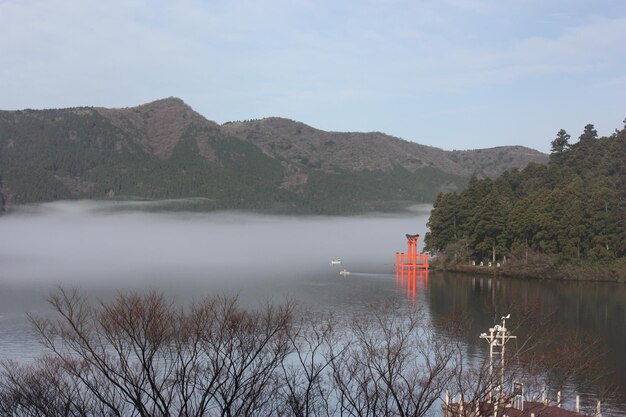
<point x="523" y="271"/>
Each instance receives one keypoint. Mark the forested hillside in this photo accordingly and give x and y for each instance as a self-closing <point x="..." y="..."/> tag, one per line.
<point x="79" y="153"/>
<point x="569" y="212"/>
<point x="165" y="150"/>
<point x="354" y="151"/>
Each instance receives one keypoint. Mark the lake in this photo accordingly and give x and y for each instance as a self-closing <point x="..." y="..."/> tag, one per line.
<point x="115" y="247"/>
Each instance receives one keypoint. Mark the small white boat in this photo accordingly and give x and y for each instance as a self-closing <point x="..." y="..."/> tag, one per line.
<point x="335" y="262"/>
<point x="344" y="273"/>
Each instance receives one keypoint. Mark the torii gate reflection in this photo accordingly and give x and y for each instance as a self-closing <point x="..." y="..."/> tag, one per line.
<point x="409" y="280"/>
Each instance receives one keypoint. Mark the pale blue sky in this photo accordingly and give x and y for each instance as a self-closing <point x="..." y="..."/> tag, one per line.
<point x="456" y="74"/>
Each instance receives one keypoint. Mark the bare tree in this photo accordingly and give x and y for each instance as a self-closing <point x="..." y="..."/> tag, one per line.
<point x="141" y="356"/>
<point x="307" y="388"/>
<point x="248" y="349"/>
<point x="392" y="365"/>
<point x="44" y="388"/>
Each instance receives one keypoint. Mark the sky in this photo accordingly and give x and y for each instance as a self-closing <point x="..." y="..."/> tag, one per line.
<point x="455" y="74"/>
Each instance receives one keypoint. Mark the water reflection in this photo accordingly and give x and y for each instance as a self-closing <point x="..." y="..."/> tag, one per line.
<point x="411" y="280"/>
<point x="575" y="309"/>
<point x="578" y="308"/>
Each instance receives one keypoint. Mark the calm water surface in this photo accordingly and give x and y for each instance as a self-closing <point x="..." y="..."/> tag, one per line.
<point x="114" y="248"/>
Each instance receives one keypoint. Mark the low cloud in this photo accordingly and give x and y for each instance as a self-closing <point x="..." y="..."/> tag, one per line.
<point x="87" y="243"/>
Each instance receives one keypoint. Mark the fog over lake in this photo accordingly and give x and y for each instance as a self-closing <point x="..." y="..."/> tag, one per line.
<point x="108" y="247"/>
<point x="84" y="242"/>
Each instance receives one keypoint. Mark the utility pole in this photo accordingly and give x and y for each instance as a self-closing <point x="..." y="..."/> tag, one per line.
<point x="497" y="338"/>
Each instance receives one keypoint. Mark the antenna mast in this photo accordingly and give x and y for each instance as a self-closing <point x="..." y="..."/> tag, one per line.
<point x="497" y="338"/>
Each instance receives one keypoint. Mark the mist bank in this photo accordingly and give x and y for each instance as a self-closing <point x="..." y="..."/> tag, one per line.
<point x="86" y="241"/>
<point x="105" y="248"/>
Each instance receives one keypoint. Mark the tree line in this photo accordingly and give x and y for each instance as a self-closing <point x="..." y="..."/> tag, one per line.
<point x="571" y="210"/>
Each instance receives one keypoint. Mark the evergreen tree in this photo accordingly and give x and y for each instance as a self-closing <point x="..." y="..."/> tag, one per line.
<point x="573" y="208"/>
<point x="443" y="228"/>
<point x="589" y="134"/>
<point x="561" y="142"/>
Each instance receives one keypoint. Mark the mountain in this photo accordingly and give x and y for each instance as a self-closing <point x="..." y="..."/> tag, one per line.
<point x="165" y="149"/>
<point x="373" y="151"/>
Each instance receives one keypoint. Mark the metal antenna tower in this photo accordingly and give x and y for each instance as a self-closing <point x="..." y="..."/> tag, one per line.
<point x="497" y="338"/>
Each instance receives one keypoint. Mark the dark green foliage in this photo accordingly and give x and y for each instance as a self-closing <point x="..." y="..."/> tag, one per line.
<point x="2" y="198"/>
<point x="362" y="191"/>
<point x="572" y="209"/>
<point x="561" y="142"/>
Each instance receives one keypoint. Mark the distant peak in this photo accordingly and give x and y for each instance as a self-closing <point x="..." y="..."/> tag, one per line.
<point x="163" y="103"/>
<point x="169" y="104"/>
<point x="168" y="101"/>
<point x="171" y="99"/>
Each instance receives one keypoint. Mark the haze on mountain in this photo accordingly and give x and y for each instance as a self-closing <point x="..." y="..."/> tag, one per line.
<point x="166" y="150"/>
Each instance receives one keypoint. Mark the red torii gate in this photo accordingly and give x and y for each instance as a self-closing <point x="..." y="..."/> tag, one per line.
<point x="411" y="260"/>
<point x="411" y="267"/>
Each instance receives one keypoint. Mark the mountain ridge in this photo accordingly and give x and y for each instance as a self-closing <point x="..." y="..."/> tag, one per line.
<point x="401" y="147"/>
<point x="165" y="149"/>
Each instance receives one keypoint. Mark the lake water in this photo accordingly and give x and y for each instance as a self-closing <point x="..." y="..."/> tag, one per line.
<point x="108" y="248"/>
